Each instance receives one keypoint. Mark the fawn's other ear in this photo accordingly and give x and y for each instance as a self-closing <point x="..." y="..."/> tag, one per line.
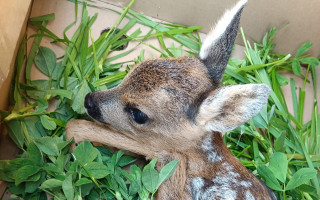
<point x="217" y="47"/>
<point x="231" y="106"/>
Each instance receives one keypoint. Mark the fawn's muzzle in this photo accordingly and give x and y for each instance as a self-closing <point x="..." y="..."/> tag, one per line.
<point x="92" y="107"/>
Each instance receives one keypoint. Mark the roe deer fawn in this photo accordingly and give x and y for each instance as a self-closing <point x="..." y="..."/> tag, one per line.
<point x="174" y="109"/>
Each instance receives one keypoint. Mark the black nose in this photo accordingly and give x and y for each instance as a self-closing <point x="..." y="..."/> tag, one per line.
<point x="93" y="107"/>
<point x="88" y="103"/>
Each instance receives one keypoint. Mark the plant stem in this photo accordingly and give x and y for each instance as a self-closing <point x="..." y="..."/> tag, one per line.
<point x="13" y="116"/>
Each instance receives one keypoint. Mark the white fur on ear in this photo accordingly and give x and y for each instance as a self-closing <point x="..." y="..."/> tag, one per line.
<point x="232" y="106"/>
<point x="219" y="29"/>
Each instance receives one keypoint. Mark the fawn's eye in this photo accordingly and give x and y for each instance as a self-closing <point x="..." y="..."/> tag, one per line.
<point x="138" y="116"/>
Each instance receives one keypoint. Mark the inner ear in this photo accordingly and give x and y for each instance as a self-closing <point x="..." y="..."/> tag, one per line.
<point x="194" y="107"/>
<point x="231" y="106"/>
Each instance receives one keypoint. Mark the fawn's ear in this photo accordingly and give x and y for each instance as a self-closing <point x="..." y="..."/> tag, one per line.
<point x="217" y="47"/>
<point x="231" y="106"/>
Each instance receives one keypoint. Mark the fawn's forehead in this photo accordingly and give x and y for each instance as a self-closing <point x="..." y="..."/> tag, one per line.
<point x="180" y="78"/>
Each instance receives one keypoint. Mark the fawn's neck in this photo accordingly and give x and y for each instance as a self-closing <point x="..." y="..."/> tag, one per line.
<point x="212" y="158"/>
<point x="213" y="170"/>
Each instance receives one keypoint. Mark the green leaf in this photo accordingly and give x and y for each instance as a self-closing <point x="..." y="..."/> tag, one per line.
<point x="45" y="60"/>
<point x="15" y="97"/>
<point x="34" y="177"/>
<point x="85" y="153"/>
<point x="305" y="47"/>
<point x="282" y="80"/>
<point x="33" y="52"/>
<point x="42" y="103"/>
<point x="25" y="172"/>
<point x="3" y="175"/>
<point x="121" y="183"/>
<point x="57" y="72"/>
<point x="126" y="160"/>
<point x="310" y="60"/>
<point x="47" y="145"/>
<point x="109" y="79"/>
<point x="59" y="92"/>
<point x="259" y="121"/>
<point x="79" y="95"/>
<point x="41" y="86"/>
<point x="167" y="171"/>
<point x="60" y="162"/>
<point x="150" y="179"/>
<point x="47" y="123"/>
<point x="35" y="127"/>
<point x="95" y="169"/>
<point x="16" y="164"/>
<point x="32" y="186"/>
<point x="151" y="165"/>
<point x="67" y="187"/>
<point x="15" y="132"/>
<point x="270" y="179"/>
<point x="136" y="172"/>
<point x="294" y="97"/>
<point x="47" y="17"/>
<point x="296" y="67"/>
<point x="82" y="181"/>
<point x="86" y="189"/>
<point x="63" y="144"/>
<point x="116" y="157"/>
<point x="279" y="144"/>
<point x="306" y="188"/>
<point x="72" y="83"/>
<point x="50" y="167"/>
<point x="34" y="154"/>
<point x="51" y="183"/>
<point x="279" y="166"/>
<point x="104" y="151"/>
<point x="20" y="189"/>
<point x="94" y="195"/>
<point x="135" y="185"/>
<point x="302" y="176"/>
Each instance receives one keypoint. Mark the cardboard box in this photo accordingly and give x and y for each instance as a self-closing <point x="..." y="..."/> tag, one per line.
<point x="13" y="20"/>
<point x="258" y="17"/>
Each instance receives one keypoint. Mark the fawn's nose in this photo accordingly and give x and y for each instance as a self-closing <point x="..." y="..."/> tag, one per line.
<point x="88" y="102"/>
<point x="92" y="107"/>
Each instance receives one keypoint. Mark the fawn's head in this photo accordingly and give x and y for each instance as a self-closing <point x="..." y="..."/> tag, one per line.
<point x="176" y="101"/>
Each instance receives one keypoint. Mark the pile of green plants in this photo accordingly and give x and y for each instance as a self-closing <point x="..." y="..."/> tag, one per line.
<point x="275" y="145"/>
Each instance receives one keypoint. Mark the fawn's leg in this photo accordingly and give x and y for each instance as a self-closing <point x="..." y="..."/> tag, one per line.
<point x="82" y="130"/>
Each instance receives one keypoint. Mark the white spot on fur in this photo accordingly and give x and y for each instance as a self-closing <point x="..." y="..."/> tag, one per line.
<point x="230" y="171"/>
<point x="245" y="183"/>
<point x="229" y="178"/>
<point x="223" y="193"/>
<point x="213" y="192"/>
<point x="249" y="196"/>
<point x="208" y="147"/>
<point x="223" y="186"/>
<point x="219" y="29"/>
<point x="197" y="185"/>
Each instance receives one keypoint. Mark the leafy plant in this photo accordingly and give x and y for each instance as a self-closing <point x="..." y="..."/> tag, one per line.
<point x="276" y="145"/>
<point x="90" y="172"/>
